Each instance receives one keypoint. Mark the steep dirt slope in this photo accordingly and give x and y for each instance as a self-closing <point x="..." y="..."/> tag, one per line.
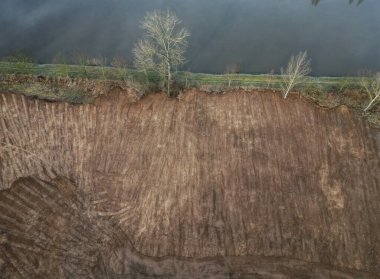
<point x="243" y="174"/>
<point x="51" y="233"/>
<point x="48" y="234"/>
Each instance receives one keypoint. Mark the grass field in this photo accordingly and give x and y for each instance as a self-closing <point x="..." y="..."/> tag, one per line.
<point x="191" y="79"/>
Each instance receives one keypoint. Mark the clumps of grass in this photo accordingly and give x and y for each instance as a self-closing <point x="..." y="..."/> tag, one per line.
<point x="315" y="92"/>
<point x="329" y="97"/>
<point x="76" y="97"/>
<point x="373" y="117"/>
<point x="53" y="89"/>
<point x="213" y="88"/>
<point x="346" y="93"/>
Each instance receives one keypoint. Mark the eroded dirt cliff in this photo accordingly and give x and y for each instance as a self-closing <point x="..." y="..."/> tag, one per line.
<point x="243" y="183"/>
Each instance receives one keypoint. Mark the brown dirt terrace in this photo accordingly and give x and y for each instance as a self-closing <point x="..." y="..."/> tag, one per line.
<point x="240" y="185"/>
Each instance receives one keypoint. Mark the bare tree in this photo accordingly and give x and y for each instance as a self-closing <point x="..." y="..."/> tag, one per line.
<point x="101" y="62"/>
<point x="295" y="73"/>
<point x="163" y="46"/>
<point x="270" y="79"/>
<point x="371" y="85"/>
<point x="121" y="64"/>
<point x="144" y="54"/>
<point x="119" y="61"/>
<point x="230" y="71"/>
<point x="187" y="75"/>
<point x="62" y="64"/>
<point x="81" y="59"/>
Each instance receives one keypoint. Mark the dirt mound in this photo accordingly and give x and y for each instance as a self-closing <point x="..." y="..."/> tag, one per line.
<point x="245" y="174"/>
<point x="46" y="233"/>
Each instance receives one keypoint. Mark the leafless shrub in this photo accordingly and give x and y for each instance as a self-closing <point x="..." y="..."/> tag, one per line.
<point x="270" y="79"/>
<point x="119" y="61"/>
<point x="121" y="64"/>
<point x="62" y="64"/>
<point x="81" y="59"/>
<point x="101" y="62"/>
<point x="230" y="72"/>
<point x="215" y="88"/>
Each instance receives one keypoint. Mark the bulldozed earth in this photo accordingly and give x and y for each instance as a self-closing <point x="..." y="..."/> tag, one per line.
<point x="239" y="185"/>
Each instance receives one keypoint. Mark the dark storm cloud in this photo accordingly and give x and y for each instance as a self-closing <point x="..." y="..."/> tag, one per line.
<point x="260" y="35"/>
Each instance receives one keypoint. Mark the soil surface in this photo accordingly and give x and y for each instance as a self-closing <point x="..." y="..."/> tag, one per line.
<point x="240" y="185"/>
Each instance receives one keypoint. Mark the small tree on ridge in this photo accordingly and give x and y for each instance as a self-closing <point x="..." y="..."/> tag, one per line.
<point x="295" y="73"/>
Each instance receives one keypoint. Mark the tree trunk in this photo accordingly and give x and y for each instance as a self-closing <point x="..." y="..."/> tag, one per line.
<point x="371" y="103"/>
<point x="287" y="91"/>
<point x="169" y="79"/>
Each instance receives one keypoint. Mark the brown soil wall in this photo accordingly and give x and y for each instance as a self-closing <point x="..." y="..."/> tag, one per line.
<point x="240" y="174"/>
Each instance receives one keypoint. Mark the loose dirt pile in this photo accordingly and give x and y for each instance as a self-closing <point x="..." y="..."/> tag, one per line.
<point x="243" y="184"/>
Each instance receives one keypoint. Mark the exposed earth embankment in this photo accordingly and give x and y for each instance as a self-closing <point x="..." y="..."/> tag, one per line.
<point x="281" y="186"/>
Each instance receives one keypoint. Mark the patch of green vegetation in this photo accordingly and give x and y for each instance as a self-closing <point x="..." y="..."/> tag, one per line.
<point x="184" y="78"/>
<point x="46" y="92"/>
<point x="44" y="89"/>
<point x="76" y="97"/>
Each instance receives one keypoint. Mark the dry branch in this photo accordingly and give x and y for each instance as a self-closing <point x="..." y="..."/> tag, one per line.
<point x="372" y="87"/>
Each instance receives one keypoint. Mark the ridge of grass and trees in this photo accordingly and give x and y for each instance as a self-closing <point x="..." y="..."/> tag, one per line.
<point x="74" y="77"/>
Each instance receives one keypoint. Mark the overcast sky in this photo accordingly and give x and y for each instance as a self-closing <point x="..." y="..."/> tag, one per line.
<point x="259" y="35"/>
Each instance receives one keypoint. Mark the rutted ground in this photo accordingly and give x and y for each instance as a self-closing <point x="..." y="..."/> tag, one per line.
<point x="242" y="174"/>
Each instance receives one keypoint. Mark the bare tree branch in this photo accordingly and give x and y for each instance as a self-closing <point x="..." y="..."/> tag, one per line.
<point x="371" y="86"/>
